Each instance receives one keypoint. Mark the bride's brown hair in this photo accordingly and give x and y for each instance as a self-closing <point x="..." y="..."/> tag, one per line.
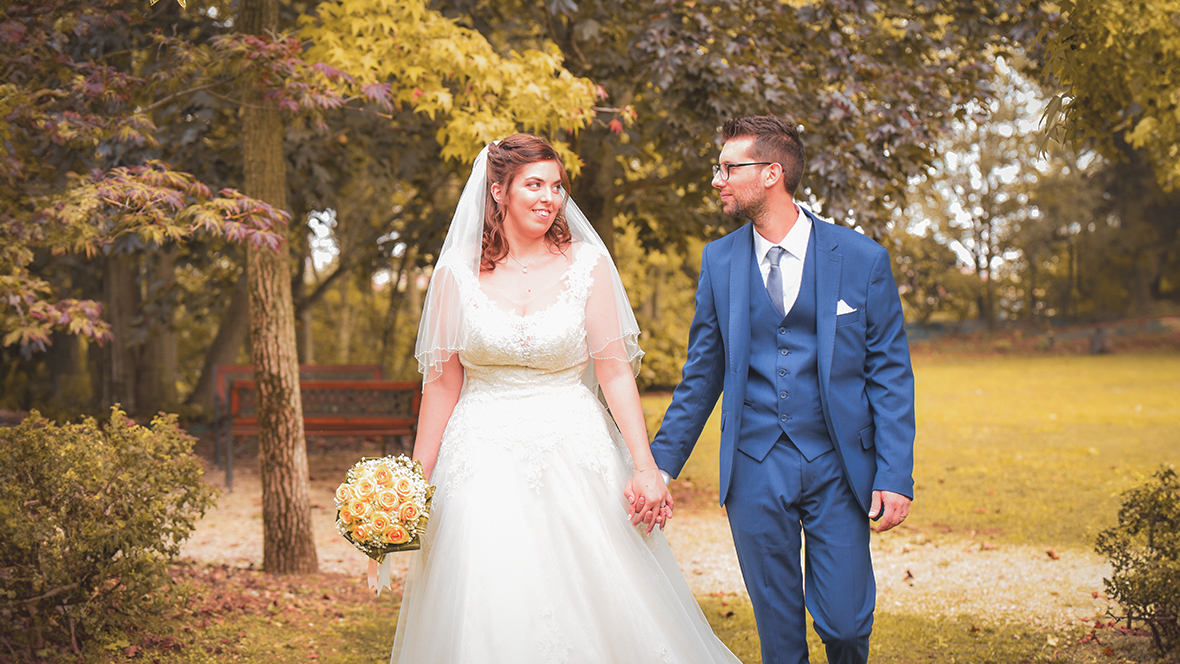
<point x="505" y="161"/>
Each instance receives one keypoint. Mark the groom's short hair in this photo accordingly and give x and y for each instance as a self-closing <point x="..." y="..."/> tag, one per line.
<point x="775" y="140"/>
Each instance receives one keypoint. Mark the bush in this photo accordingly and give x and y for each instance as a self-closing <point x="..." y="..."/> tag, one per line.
<point x="89" y="518"/>
<point x="1144" y="550"/>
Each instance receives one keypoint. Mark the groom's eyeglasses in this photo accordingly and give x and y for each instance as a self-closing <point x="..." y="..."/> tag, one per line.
<point x="723" y="169"/>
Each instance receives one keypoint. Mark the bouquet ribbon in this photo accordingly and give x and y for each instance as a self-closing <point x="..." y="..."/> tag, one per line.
<point x="380" y="573"/>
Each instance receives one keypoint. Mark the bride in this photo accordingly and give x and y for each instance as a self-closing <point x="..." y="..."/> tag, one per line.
<point x="529" y="555"/>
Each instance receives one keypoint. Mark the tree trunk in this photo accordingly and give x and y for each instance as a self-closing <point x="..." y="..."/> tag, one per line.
<point x="413" y="305"/>
<point x="303" y="315"/>
<point x="121" y="296"/>
<point x="1068" y="307"/>
<point x="1032" y="287"/>
<point x="389" y="357"/>
<point x="64" y="360"/>
<point x="156" y="376"/>
<point x="344" y="332"/>
<point x="595" y="190"/>
<point x="303" y="338"/>
<point x="983" y="267"/>
<point x="231" y="333"/>
<point x="288" y="543"/>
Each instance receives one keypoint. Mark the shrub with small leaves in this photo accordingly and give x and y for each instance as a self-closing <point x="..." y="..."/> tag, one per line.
<point x="90" y="515"/>
<point x="1144" y="550"/>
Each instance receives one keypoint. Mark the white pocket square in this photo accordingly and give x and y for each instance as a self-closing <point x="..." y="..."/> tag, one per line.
<point x="843" y="308"/>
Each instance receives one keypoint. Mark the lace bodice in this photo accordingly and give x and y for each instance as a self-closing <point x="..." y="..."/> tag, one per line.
<point x="523" y="375"/>
<point x="545" y="349"/>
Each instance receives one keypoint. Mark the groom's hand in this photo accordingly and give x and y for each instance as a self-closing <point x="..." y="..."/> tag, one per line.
<point x="653" y="511"/>
<point x="892" y="508"/>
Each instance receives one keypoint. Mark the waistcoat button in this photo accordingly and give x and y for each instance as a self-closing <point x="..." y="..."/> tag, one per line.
<point x="783" y="351"/>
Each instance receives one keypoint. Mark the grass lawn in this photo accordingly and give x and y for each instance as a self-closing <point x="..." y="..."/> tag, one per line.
<point x="1031" y="450"/>
<point x="1023" y="450"/>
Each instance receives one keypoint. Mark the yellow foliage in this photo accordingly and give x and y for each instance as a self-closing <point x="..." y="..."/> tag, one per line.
<point x="449" y="72"/>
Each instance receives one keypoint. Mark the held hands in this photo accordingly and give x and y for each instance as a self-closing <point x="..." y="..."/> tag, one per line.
<point x="648" y="498"/>
<point x="892" y="508"/>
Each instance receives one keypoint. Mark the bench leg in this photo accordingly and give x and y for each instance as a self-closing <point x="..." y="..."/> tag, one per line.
<point x="217" y="444"/>
<point x="229" y="461"/>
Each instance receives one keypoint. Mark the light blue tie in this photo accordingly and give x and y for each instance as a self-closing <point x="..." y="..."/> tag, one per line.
<point x="774" y="280"/>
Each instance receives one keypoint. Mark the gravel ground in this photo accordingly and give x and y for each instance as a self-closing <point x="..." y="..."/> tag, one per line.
<point x="939" y="576"/>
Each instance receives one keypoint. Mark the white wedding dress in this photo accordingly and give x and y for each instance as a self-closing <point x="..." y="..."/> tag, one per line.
<point x="529" y="555"/>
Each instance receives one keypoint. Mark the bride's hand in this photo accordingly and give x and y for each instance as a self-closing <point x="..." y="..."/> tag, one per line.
<point x="648" y="499"/>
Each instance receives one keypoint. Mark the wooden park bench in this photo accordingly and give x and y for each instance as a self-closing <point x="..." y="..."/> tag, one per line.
<point x="224" y="374"/>
<point x="382" y="409"/>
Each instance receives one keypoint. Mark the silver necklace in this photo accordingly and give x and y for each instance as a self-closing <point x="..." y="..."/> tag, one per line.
<point x="525" y="266"/>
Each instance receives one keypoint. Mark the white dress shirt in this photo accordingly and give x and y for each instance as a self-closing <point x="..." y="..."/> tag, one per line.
<point x="790" y="261"/>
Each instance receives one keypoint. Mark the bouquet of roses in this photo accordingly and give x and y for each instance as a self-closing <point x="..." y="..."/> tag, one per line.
<point x="383" y="506"/>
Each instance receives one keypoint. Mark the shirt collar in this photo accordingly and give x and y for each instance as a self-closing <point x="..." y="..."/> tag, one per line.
<point x="795" y="243"/>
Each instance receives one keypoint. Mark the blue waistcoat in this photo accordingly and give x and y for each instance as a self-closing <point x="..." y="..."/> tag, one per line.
<point x="782" y="390"/>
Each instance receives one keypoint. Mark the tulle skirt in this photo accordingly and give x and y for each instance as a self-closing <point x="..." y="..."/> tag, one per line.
<point x="530" y="557"/>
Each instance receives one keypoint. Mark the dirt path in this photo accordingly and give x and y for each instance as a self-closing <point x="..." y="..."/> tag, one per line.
<point x="940" y="576"/>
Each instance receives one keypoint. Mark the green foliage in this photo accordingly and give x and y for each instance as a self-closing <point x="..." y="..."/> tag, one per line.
<point x="661" y="285"/>
<point x="930" y="279"/>
<point x="1116" y="61"/>
<point x="89" y="517"/>
<point x="1144" y="552"/>
<point x="873" y="85"/>
<point x="72" y="117"/>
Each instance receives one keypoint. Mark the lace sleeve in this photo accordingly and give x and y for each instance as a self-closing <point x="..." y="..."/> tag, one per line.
<point x="611" y="330"/>
<point x="441" y="331"/>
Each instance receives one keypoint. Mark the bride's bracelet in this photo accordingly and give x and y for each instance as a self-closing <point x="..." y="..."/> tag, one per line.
<point x="644" y="470"/>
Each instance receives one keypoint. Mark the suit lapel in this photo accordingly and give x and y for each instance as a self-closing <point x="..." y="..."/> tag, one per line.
<point x="739" y="299"/>
<point x="828" y="264"/>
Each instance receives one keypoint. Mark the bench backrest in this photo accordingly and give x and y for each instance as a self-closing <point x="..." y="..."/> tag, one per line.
<point x="338" y="399"/>
<point x="224" y="374"/>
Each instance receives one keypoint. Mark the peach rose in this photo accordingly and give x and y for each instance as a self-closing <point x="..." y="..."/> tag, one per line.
<point x="408" y="512"/>
<point x="403" y="487"/>
<point x="397" y="534"/>
<point x="361" y="532"/>
<point x="388" y="500"/>
<point x="381" y="522"/>
<point x="383" y="476"/>
<point x="360" y="509"/>
<point x="364" y="487"/>
<point x="344" y="493"/>
<point x="345" y="514"/>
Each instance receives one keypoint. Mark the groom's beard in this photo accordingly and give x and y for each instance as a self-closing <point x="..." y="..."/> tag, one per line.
<point x="745" y="209"/>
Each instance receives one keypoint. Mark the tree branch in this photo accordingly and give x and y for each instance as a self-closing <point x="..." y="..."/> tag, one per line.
<point x="343" y="266"/>
<point x="56" y="591"/>
<point x="172" y="96"/>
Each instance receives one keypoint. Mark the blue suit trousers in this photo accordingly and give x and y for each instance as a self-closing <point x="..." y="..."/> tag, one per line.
<point x="770" y="504"/>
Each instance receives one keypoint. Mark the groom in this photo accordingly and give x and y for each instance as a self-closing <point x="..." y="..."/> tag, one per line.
<point x="798" y="322"/>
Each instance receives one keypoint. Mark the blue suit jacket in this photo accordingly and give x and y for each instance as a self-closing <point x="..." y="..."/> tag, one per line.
<point x="866" y="382"/>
